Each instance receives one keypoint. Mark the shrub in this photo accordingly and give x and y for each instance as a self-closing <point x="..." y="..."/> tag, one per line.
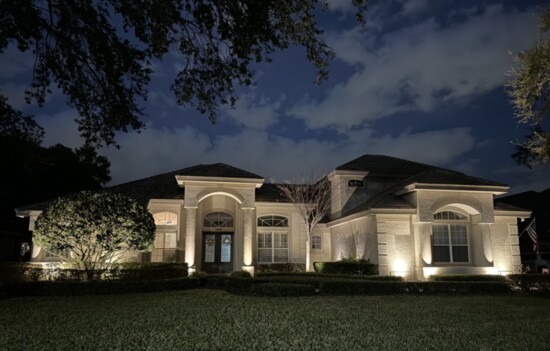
<point x="283" y="289"/>
<point x="358" y="287"/>
<point x="319" y="266"/>
<point x="228" y="283"/>
<point x="69" y="288"/>
<point x="348" y="266"/>
<point x="28" y="272"/>
<point x="280" y="267"/>
<point x="241" y="274"/>
<point x="467" y="278"/>
<point x="145" y="271"/>
<point x="307" y="275"/>
<point x="530" y="282"/>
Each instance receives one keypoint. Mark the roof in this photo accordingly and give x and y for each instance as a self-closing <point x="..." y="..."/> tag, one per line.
<point x="531" y="200"/>
<point x="218" y="170"/>
<point x="384" y="165"/>
<point x="270" y="193"/>
<point x="380" y="165"/>
<point x="403" y="172"/>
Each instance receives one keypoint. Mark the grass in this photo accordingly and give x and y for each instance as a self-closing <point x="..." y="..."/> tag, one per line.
<point x="216" y="320"/>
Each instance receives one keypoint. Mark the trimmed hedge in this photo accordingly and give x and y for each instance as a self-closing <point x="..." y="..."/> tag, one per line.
<point x="351" y="267"/>
<point x="28" y="272"/>
<point x="283" y="289"/>
<point x="467" y="278"/>
<point x="326" y="275"/>
<point x="535" y="282"/>
<point x="227" y="283"/>
<point x="100" y="287"/>
<point x="280" y="267"/>
<point x="147" y="271"/>
<point x="356" y="287"/>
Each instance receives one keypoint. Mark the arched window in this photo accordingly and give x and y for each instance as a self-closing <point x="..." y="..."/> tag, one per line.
<point x="272" y="221"/>
<point x="450" y="237"/>
<point x="272" y="239"/>
<point x="165" y="218"/>
<point x="450" y="215"/>
<point x="218" y="220"/>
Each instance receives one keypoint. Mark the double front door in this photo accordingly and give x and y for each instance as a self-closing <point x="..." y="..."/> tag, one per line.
<point x="217" y="254"/>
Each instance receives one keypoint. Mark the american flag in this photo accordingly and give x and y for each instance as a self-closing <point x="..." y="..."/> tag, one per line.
<point x="532" y="232"/>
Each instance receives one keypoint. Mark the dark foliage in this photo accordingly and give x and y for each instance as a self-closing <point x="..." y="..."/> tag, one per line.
<point x="100" y="53"/>
<point x="531" y="282"/>
<point x="467" y="278"/>
<point x="280" y="267"/>
<point x="26" y="272"/>
<point x="351" y="267"/>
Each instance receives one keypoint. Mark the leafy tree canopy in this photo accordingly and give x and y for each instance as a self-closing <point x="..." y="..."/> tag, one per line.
<point x="34" y="173"/>
<point x="99" y="53"/>
<point x="96" y="228"/>
<point x="529" y="92"/>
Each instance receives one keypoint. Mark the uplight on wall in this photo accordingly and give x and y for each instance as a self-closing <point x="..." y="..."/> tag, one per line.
<point x="399" y="268"/>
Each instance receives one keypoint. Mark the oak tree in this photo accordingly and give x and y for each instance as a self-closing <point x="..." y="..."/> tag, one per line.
<point x="529" y="92"/>
<point x="100" y="53"/>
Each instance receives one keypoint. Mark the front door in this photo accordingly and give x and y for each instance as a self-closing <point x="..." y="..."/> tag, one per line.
<point x="217" y="254"/>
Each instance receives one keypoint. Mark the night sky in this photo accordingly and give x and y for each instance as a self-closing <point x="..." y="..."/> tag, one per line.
<point x="423" y="81"/>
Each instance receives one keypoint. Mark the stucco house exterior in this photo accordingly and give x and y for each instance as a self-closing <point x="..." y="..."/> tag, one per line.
<point x="411" y="219"/>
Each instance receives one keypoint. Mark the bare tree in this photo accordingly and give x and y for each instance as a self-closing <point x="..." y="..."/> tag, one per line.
<point x="311" y="200"/>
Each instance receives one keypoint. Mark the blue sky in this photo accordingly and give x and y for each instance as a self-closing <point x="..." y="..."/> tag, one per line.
<point x="423" y="81"/>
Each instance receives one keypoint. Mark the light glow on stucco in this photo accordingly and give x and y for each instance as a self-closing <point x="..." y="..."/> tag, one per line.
<point x="399" y="268"/>
<point x="249" y="269"/>
<point x="428" y="271"/>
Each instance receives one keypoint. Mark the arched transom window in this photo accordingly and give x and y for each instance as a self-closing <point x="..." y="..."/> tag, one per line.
<point x="165" y="218"/>
<point x="272" y="221"/>
<point x="272" y="239"/>
<point x="450" y="237"/>
<point x="218" y="220"/>
<point x="450" y="216"/>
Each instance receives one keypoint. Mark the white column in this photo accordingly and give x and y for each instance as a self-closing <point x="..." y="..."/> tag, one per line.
<point x="190" y="225"/>
<point x="247" y="239"/>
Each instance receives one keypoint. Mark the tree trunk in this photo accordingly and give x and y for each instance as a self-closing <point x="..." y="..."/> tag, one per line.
<point x="308" y="251"/>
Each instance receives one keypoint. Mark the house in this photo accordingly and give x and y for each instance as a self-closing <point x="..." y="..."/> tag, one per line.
<point x="412" y="219"/>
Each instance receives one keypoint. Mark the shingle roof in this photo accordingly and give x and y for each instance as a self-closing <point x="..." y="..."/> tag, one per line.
<point x="380" y="165"/>
<point x="270" y="193"/>
<point x="162" y="186"/>
<point x="218" y="170"/>
<point x="384" y="165"/>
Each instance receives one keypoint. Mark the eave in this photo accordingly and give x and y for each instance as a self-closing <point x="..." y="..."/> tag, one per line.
<point x="494" y="189"/>
<point x="218" y="181"/>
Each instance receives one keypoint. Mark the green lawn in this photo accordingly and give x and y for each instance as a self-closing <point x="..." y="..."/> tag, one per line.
<point x="216" y="320"/>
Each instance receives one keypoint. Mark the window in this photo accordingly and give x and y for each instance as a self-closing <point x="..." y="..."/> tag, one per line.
<point x="449" y="215"/>
<point x="316" y="242"/>
<point x="165" y="247"/>
<point x="272" y="247"/>
<point x="356" y="183"/>
<point x="450" y="240"/>
<point x="218" y="220"/>
<point x="165" y="218"/>
<point x="272" y="244"/>
<point x="272" y="221"/>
